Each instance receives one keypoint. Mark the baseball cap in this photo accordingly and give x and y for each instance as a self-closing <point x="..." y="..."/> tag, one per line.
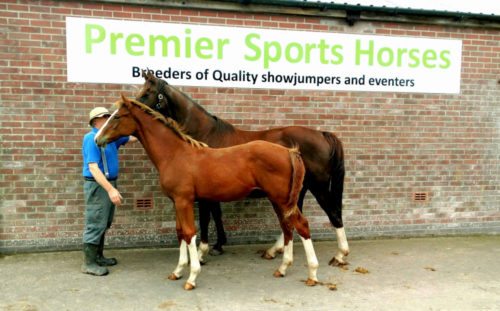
<point x="98" y="112"/>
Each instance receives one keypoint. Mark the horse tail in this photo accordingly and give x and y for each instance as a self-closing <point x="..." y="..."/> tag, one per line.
<point x="337" y="173"/>
<point x="296" y="178"/>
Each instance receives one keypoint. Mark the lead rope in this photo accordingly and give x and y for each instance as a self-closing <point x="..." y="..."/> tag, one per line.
<point x="104" y="162"/>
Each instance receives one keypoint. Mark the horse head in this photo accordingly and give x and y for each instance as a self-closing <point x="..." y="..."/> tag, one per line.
<point x="154" y="93"/>
<point x="172" y="103"/>
<point x="119" y="124"/>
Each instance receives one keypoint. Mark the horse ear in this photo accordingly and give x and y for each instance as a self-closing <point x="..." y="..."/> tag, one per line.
<point x="125" y="100"/>
<point x="148" y="75"/>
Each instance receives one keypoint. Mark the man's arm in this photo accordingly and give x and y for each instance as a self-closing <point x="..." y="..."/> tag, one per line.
<point x="99" y="177"/>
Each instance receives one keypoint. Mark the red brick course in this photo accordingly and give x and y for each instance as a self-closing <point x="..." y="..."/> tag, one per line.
<point x="395" y="143"/>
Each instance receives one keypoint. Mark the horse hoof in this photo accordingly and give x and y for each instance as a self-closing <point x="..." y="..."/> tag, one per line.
<point x="188" y="286"/>
<point x="267" y="256"/>
<point x="337" y="263"/>
<point x="278" y="274"/>
<point x="173" y="277"/>
<point x="311" y="282"/>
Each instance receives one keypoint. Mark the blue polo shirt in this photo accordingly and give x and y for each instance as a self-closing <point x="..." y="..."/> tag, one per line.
<point x="92" y="154"/>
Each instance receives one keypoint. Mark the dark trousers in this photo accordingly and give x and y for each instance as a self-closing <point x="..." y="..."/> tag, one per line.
<point x="99" y="211"/>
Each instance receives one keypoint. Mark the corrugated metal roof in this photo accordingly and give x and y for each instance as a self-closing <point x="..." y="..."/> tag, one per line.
<point x="486" y="7"/>
<point x="483" y="12"/>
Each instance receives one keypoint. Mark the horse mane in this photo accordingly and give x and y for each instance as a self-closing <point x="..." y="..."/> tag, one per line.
<point x="168" y="122"/>
<point x="220" y="124"/>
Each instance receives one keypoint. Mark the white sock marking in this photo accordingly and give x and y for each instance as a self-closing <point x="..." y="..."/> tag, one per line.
<point x="183" y="259"/>
<point x="287" y="258"/>
<point x="278" y="245"/>
<point x="312" y="260"/>
<point x="342" y="244"/>
<point x="195" y="263"/>
<point x="203" y="251"/>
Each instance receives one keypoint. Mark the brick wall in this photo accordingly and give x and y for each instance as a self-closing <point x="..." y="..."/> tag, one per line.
<point x="396" y="144"/>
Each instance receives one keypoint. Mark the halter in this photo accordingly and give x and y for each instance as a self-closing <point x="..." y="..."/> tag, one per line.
<point x="159" y="105"/>
<point x="161" y="98"/>
<point x="162" y="103"/>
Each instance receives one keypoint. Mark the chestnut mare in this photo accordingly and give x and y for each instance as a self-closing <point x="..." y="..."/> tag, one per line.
<point x="322" y="153"/>
<point x="189" y="170"/>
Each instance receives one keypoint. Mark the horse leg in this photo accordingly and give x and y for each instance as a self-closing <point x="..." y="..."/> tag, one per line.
<point x="185" y="218"/>
<point x="302" y="226"/>
<point x="195" y="265"/>
<point x="183" y="261"/>
<point x="332" y="205"/>
<point x="204" y="220"/>
<point x="312" y="261"/>
<point x="287" y="259"/>
<point x="287" y="234"/>
<point x="202" y="252"/>
<point x="183" y="256"/>
<point x="219" y="227"/>
<point x="338" y="260"/>
<point x="278" y="246"/>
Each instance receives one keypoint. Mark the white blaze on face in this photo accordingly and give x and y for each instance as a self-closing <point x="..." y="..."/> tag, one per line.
<point x="99" y="133"/>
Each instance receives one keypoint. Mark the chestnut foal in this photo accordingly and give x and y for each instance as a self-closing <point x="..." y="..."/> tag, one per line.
<point x="189" y="170"/>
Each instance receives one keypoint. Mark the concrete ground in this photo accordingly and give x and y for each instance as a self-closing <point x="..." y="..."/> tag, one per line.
<point x="458" y="273"/>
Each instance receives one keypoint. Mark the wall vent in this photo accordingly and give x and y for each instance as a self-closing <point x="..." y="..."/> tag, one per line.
<point x="420" y="196"/>
<point x="143" y="204"/>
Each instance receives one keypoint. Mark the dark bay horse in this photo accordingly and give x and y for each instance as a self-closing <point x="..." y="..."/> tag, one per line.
<point x="322" y="153"/>
<point x="189" y="170"/>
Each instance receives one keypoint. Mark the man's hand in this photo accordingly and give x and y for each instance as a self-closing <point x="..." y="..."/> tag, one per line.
<point x="132" y="139"/>
<point x="99" y="177"/>
<point x="115" y="196"/>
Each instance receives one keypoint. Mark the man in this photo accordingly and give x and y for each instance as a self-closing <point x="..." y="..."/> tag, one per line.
<point x="100" y="171"/>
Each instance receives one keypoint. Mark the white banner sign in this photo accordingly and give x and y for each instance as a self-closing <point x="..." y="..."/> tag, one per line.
<point x="115" y="51"/>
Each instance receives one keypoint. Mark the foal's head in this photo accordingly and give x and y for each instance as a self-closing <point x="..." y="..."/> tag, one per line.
<point x="119" y="124"/>
<point x="123" y="123"/>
